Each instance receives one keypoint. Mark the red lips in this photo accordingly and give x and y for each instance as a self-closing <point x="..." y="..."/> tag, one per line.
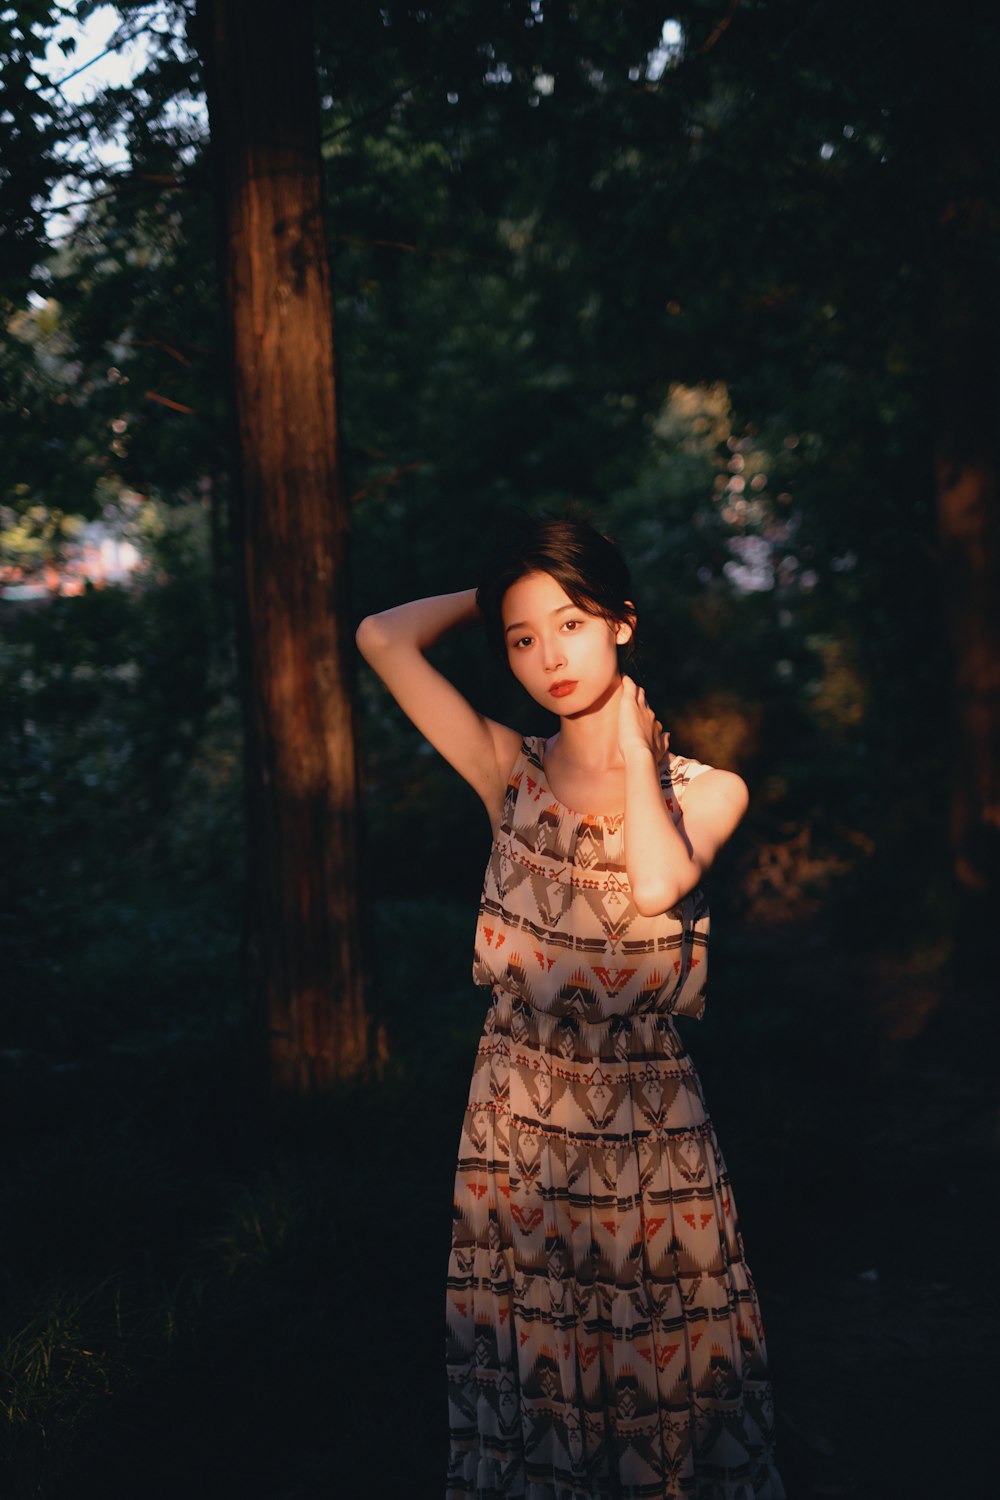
<point x="560" y="689"/>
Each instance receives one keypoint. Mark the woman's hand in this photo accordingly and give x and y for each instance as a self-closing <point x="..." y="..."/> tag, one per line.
<point x="638" y="726"/>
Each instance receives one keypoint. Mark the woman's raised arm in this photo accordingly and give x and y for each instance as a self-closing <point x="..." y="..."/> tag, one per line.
<point x="393" y="644"/>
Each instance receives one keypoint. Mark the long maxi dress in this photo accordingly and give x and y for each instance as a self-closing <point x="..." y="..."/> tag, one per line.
<point x="603" y="1332"/>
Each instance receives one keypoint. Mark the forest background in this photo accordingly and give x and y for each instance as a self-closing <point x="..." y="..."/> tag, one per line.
<point x="726" y="278"/>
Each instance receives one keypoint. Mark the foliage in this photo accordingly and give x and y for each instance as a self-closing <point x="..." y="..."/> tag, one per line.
<point x="119" y="801"/>
<point x="658" y="332"/>
<point x="690" y="285"/>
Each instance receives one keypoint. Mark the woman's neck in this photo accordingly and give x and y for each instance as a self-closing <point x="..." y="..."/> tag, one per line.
<point x="588" y="742"/>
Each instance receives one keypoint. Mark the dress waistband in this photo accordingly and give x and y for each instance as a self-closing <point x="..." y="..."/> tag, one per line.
<point x="542" y="1039"/>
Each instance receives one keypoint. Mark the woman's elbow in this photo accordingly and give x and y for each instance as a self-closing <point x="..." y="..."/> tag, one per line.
<point x="734" y="799"/>
<point x="369" y="637"/>
<point x="654" y="900"/>
<point x="650" y="905"/>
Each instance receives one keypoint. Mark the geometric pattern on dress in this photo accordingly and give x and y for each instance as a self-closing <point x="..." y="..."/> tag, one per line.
<point x="603" y="1331"/>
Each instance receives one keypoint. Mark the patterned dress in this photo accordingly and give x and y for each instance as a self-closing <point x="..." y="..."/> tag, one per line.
<point x="604" y="1337"/>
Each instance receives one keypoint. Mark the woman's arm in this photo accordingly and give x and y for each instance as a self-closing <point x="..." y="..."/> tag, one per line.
<point x="664" y="863"/>
<point x="393" y="643"/>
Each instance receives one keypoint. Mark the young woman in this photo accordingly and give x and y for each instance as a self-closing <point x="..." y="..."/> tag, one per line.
<point x="603" y="1332"/>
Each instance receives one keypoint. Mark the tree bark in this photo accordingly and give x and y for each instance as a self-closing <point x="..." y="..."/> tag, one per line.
<point x="968" y="409"/>
<point x="290" y="530"/>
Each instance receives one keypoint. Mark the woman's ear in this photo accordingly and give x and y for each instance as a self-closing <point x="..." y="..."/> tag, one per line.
<point x="626" y="628"/>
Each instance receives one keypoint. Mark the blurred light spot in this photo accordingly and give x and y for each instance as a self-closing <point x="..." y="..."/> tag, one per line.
<point x="452" y="98"/>
<point x="842" y="695"/>
<point x="826" y="151"/>
<point x="844" y="563"/>
<point x="751" y="568"/>
<point x="544" y="83"/>
<point x="758" y="481"/>
<point x="666" y="53"/>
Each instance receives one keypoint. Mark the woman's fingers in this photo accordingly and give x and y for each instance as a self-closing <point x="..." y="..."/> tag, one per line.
<point x="637" y="695"/>
<point x="657" y="737"/>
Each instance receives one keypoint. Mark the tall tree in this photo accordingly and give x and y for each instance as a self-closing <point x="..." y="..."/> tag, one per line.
<point x="291" y="534"/>
<point x="961" y="150"/>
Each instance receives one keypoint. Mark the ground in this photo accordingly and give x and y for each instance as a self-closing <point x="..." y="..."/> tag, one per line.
<point x="203" y="1302"/>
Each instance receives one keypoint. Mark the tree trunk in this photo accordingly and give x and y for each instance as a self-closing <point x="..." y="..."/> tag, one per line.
<point x="290" y="531"/>
<point x="968" y="518"/>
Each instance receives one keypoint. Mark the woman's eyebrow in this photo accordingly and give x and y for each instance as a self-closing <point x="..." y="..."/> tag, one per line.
<point x="520" y="624"/>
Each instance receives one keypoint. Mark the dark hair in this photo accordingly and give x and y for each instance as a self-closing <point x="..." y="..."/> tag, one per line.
<point x="587" y="565"/>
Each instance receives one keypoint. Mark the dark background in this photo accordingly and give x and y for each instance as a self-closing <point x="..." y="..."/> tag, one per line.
<point x="707" y="292"/>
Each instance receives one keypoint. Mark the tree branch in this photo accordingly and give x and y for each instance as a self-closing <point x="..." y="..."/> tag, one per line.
<point x="722" y="27"/>
<point x="176" y="354"/>
<point x="390" y="477"/>
<point x="357" y="242"/>
<point x="166" y="401"/>
<point x="379" y="109"/>
<point x="120" y="39"/>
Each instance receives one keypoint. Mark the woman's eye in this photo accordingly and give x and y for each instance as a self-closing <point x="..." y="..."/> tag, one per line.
<point x="572" y="624"/>
<point x="524" y="641"/>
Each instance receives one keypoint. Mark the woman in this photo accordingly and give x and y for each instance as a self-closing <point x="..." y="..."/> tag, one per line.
<point x="604" y="1337"/>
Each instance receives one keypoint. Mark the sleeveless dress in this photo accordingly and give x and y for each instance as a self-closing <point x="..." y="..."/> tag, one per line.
<point x="603" y="1332"/>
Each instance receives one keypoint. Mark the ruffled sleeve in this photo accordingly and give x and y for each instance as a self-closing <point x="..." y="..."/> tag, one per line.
<point x="675" y="775"/>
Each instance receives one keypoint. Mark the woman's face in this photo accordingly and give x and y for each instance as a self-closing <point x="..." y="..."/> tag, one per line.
<point x="563" y="656"/>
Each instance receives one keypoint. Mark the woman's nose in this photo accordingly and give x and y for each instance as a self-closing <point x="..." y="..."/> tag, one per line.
<point x="553" y="656"/>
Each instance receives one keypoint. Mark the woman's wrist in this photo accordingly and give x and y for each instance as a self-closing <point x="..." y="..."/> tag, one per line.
<point x="637" y="755"/>
<point x="460" y="610"/>
<point x="420" y="622"/>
